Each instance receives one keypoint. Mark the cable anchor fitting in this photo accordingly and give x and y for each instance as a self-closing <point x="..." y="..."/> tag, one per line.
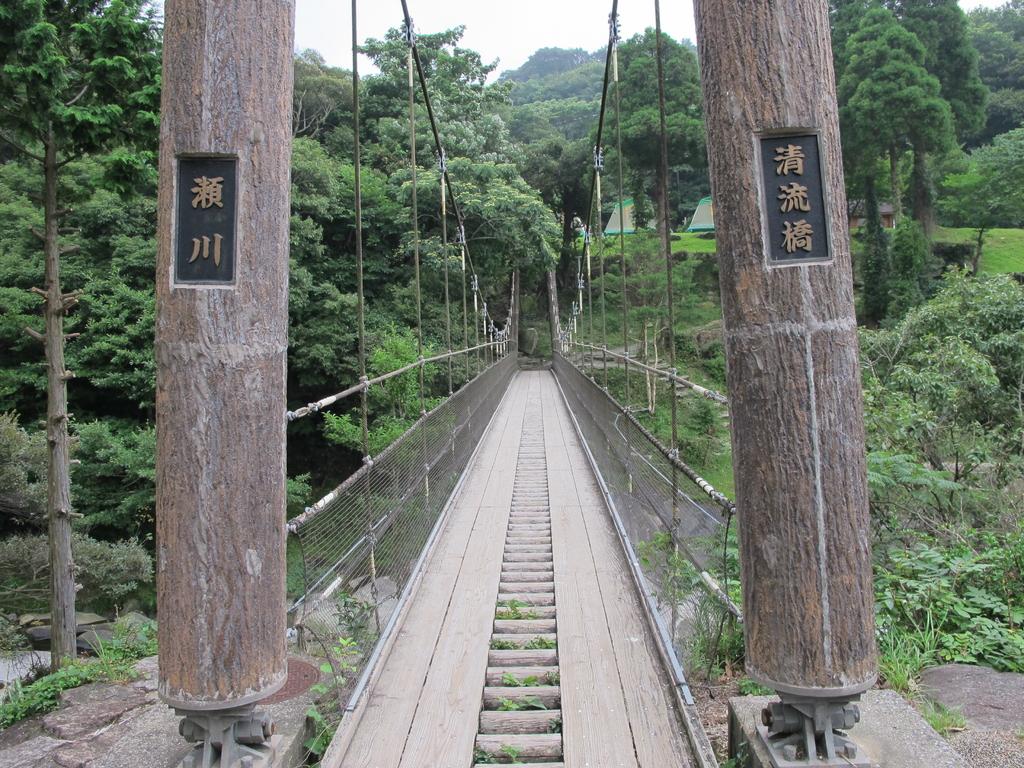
<point x="598" y="159"/>
<point x="409" y="32"/>
<point x="442" y="162"/>
<point x="614" y="31"/>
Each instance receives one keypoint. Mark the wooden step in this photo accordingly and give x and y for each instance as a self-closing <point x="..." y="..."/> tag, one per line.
<point x="524" y="721"/>
<point x="526" y="586"/>
<point x="521" y="639"/>
<point x="544" y="657"/>
<point x="522" y="765"/>
<point x="548" y="695"/>
<point x="527" y="598"/>
<point x="519" y="549"/>
<point x="496" y="675"/>
<point x="527" y="557"/>
<point x="523" y="626"/>
<point x="523" y="541"/>
<point x="524" y="576"/>
<point x="533" y="611"/>
<point x="514" y="566"/>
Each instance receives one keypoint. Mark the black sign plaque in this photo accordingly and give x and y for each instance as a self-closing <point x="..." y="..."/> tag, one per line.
<point x="205" y="236"/>
<point x="793" y="199"/>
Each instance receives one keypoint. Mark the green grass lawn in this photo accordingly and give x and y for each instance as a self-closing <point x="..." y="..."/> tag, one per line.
<point x="1003" y="251"/>
<point x="692" y="242"/>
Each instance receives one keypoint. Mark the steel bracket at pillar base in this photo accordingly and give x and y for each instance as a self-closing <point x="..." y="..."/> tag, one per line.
<point x="228" y="738"/>
<point x="806" y="732"/>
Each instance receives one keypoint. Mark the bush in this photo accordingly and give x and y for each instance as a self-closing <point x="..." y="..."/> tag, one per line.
<point x="954" y="604"/>
<point x="108" y="572"/>
<point x="22" y="472"/>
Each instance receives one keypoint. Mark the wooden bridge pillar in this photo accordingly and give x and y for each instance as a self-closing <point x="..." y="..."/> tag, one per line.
<point x="791" y="345"/>
<point x="221" y="342"/>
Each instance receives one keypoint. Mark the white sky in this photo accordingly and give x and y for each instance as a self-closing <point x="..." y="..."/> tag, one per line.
<point x="509" y="31"/>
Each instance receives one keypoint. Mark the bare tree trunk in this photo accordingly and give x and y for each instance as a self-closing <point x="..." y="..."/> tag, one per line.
<point x="58" y="497"/>
<point x="553" y="309"/>
<point x="792" y="356"/>
<point x="924" y="210"/>
<point x="978" y="245"/>
<point x="894" y="186"/>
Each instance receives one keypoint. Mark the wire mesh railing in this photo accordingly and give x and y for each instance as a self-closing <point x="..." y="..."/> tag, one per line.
<point x="675" y="522"/>
<point x="362" y="544"/>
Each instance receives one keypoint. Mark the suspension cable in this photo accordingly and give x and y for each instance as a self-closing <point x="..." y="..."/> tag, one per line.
<point x="358" y="190"/>
<point x="613" y="22"/>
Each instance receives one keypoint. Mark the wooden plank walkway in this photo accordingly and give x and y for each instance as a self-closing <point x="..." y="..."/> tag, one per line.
<point x="424" y="708"/>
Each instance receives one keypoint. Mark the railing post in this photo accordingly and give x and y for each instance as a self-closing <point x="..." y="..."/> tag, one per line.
<point x="793" y="367"/>
<point x="221" y="342"/>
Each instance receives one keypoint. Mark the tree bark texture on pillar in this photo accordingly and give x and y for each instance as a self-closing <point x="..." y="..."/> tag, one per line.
<point x="221" y="358"/>
<point x="792" y="359"/>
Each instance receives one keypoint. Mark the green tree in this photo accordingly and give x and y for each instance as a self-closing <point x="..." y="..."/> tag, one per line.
<point x="640" y="121"/>
<point x="950" y="56"/>
<point x="909" y="258"/>
<point x="998" y="35"/>
<point x="75" y="77"/>
<point x="322" y="102"/>
<point x="990" y="192"/>
<point x="22" y="473"/>
<point x="889" y="100"/>
<point x="941" y="26"/>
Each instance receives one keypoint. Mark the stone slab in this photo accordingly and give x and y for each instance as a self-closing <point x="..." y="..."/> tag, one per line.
<point x="989" y="700"/>
<point x="89" y="708"/>
<point x="33" y="753"/>
<point x="891" y="733"/>
<point x="82" y="753"/>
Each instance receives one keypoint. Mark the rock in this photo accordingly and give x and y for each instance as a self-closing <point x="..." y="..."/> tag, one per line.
<point x="93" y="639"/>
<point x="34" y="619"/>
<point x="89" y="708"/>
<point x="107" y="625"/>
<point x="98" y="693"/>
<point x="989" y="700"/>
<point x="39" y="637"/>
<point x="81" y="754"/>
<point x="134" y="619"/>
<point x="85" y="619"/>
<point x="29" y="753"/>
<point x="148" y="670"/>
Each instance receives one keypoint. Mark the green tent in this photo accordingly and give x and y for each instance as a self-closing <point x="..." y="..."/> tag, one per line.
<point x="703" y="218"/>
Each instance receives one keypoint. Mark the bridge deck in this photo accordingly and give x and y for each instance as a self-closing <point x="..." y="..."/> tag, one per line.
<point x="609" y="689"/>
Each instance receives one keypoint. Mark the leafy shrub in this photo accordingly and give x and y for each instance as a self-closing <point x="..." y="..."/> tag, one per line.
<point x="965" y="602"/>
<point x="44" y="694"/>
<point x="22" y="472"/>
<point x="11" y="639"/>
<point x="108" y="572"/>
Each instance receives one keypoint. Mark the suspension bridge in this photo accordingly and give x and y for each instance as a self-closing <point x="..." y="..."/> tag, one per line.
<point x="515" y="579"/>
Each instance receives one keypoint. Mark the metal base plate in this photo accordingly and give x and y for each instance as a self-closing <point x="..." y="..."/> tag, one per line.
<point x="245" y="756"/>
<point x="782" y="757"/>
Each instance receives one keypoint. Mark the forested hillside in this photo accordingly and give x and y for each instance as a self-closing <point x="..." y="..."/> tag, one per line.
<point x="932" y="104"/>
